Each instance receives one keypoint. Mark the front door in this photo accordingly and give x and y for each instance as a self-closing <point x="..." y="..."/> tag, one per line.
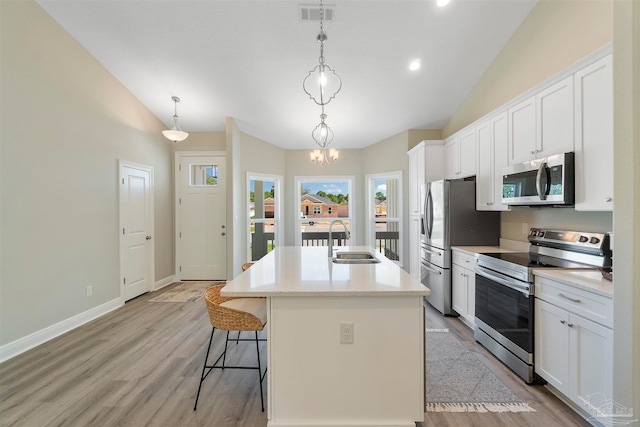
<point x="136" y="219"/>
<point x="201" y="218"/>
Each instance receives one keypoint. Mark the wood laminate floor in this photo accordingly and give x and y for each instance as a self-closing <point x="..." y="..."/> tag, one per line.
<point x="140" y="366"/>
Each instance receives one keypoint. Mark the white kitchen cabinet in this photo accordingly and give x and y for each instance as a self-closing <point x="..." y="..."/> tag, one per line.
<point x="463" y="287"/>
<point x="426" y="164"/>
<point x="574" y="353"/>
<point x="492" y="155"/>
<point x="434" y="160"/>
<point x="522" y="131"/>
<point x="416" y="177"/>
<point x="452" y="158"/>
<point x="594" y="136"/>
<point x="414" y="246"/>
<point x="554" y="119"/>
<point x="543" y="124"/>
<point x="460" y="155"/>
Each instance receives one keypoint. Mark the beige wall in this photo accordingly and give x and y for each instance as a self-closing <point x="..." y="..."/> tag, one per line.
<point x="65" y="123"/>
<point x="418" y="135"/>
<point x="556" y="34"/>
<point x="202" y="141"/>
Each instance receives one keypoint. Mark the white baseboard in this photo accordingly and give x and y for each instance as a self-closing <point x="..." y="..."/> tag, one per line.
<point x="23" y="344"/>
<point x="164" y="282"/>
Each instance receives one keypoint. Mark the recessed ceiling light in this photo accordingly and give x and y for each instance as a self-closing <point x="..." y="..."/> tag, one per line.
<point x="442" y="3"/>
<point x="415" y="65"/>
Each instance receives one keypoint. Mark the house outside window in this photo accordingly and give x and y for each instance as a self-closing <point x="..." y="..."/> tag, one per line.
<point x="317" y="210"/>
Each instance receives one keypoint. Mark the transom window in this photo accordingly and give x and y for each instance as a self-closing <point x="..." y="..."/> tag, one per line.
<point x="203" y="175"/>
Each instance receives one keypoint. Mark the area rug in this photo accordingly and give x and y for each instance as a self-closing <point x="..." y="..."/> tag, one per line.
<point x="457" y="381"/>
<point x="185" y="292"/>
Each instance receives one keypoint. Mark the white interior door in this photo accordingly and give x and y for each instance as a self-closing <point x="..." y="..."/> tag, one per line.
<point x="201" y="218"/>
<point x="136" y="220"/>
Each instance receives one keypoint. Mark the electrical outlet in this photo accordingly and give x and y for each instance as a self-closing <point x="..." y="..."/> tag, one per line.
<point x="525" y="228"/>
<point x="346" y="332"/>
<point x="89" y="291"/>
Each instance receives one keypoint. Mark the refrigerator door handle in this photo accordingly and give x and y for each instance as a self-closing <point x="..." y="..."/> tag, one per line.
<point x="429" y="213"/>
<point x="433" y="270"/>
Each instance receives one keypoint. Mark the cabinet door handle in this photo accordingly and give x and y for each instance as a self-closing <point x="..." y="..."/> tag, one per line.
<point x="489" y="203"/>
<point x="569" y="298"/>
<point x="564" y="322"/>
<point x="608" y="200"/>
<point x="570" y="325"/>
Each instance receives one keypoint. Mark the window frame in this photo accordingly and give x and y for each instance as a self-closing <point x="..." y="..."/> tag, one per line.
<point x="351" y="183"/>
<point x="370" y="216"/>
<point x="278" y="229"/>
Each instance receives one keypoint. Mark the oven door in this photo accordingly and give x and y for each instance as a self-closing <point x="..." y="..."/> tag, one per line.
<point x="505" y="305"/>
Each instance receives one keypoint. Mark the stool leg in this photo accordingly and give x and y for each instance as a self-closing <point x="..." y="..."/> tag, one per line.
<point x="213" y="329"/>
<point x="259" y="372"/>
<point x="224" y="355"/>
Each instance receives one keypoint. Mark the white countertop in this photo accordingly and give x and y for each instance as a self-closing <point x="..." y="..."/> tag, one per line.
<point x="588" y="280"/>
<point x="308" y="271"/>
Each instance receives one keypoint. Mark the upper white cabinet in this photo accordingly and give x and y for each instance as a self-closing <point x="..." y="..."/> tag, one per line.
<point x="554" y="116"/>
<point x="542" y="125"/>
<point x="460" y="155"/>
<point x="492" y="139"/>
<point x="426" y="164"/>
<point x="594" y="136"/>
<point x="416" y="177"/>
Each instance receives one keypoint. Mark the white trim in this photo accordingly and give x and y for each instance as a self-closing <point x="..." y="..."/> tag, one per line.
<point x="152" y="255"/>
<point x="277" y="208"/>
<point x="30" y="341"/>
<point x="164" y="282"/>
<point x="370" y="206"/>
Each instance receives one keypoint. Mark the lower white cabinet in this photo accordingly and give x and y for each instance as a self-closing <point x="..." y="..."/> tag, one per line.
<point x="572" y="352"/>
<point x="463" y="287"/>
<point x="414" y="246"/>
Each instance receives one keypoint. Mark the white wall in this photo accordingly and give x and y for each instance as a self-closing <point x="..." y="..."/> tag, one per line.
<point x="65" y="123"/>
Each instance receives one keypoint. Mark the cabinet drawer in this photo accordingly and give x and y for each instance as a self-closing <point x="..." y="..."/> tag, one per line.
<point x="587" y="304"/>
<point x="464" y="260"/>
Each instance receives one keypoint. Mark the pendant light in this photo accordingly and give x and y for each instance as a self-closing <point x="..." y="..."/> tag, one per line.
<point x="175" y="134"/>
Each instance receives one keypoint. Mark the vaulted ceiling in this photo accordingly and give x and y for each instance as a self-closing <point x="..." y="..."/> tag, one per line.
<point x="247" y="60"/>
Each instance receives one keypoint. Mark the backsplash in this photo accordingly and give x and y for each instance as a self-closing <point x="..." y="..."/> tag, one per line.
<point x="516" y="223"/>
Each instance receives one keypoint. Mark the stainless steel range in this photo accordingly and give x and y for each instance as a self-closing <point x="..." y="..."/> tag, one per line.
<point x="505" y="291"/>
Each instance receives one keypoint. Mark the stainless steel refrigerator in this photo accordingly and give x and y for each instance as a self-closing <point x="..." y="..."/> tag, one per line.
<point x="449" y="218"/>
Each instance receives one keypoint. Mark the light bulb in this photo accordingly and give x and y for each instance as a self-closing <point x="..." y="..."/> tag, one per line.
<point x="322" y="79"/>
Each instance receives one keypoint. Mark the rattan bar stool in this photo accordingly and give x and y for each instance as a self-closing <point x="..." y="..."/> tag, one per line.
<point x="246" y="266"/>
<point x="233" y="314"/>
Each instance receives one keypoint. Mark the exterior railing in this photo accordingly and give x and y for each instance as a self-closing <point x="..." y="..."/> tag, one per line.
<point x="387" y="242"/>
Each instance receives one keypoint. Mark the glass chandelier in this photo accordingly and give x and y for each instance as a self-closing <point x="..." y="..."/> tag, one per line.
<point x="322" y="84"/>
<point x="175" y="134"/>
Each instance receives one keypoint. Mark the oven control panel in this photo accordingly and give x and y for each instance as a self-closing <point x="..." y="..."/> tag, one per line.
<point x="575" y="240"/>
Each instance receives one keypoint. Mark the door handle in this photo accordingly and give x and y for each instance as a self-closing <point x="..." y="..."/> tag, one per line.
<point x="223" y="234"/>
<point x="148" y="237"/>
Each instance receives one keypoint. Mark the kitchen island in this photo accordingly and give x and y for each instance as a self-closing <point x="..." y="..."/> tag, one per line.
<point x="345" y="341"/>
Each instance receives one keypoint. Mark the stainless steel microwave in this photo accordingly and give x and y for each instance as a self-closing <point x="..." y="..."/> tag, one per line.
<point x="545" y="181"/>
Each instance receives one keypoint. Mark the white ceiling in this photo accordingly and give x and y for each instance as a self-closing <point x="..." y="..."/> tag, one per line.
<point x="247" y="59"/>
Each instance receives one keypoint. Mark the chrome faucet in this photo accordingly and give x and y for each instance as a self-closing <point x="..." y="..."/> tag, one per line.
<point x="346" y="234"/>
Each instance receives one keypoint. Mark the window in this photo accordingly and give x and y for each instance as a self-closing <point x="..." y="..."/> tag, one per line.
<point x="384" y="210"/>
<point x="203" y="175"/>
<point x="329" y="199"/>
<point x="264" y="214"/>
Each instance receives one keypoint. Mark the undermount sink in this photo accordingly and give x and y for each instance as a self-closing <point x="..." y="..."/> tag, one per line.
<point x="355" y="258"/>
